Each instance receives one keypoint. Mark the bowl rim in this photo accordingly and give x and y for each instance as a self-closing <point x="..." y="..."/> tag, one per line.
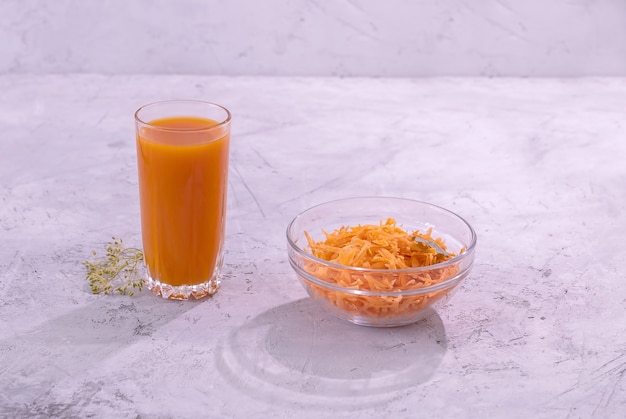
<point x="468" y="251"/>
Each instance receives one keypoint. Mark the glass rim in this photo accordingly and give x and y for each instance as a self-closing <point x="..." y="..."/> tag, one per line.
<point x="219" y="124"/>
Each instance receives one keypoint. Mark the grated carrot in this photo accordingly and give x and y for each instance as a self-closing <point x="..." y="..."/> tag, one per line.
<point x="381" y="248"/>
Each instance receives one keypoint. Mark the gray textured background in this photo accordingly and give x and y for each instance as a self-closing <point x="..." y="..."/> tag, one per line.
<point x="313" y="37"/>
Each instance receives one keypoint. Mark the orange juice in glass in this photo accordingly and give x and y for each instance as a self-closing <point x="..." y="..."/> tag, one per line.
<point x="182" y="160"/>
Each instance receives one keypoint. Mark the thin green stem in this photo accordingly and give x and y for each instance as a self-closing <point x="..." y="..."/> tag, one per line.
<point x="118" y="271"/>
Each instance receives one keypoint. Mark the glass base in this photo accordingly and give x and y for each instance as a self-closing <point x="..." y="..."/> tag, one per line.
<point x="183" y="292"/>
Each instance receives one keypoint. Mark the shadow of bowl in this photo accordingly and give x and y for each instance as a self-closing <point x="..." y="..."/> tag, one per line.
<point x="299" y="353"/>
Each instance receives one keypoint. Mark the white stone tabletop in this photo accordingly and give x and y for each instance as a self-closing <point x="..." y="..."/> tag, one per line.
<point x="537" y="166"/>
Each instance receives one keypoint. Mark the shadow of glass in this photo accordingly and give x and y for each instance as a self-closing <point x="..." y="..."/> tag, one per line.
<point x="298" y="353"/>
<point x="114" y="320"/>
<point x="70" y="344"/>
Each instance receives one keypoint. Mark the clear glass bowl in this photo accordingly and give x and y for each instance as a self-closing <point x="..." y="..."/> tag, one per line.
<point x="432" y="285"/>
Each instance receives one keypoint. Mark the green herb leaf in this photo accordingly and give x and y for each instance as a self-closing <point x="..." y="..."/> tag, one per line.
<point x="119" y="271"/>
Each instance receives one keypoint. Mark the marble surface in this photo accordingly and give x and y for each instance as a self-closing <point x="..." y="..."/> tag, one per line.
<point x="316" y="38"/>
<point x="535" y="165"/>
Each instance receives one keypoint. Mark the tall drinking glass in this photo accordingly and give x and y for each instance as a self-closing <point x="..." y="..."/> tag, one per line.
<point x="182" y="159"/>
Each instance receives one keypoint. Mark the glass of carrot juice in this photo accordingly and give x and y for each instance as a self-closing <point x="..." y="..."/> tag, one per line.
<point x="182" y="160"/>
